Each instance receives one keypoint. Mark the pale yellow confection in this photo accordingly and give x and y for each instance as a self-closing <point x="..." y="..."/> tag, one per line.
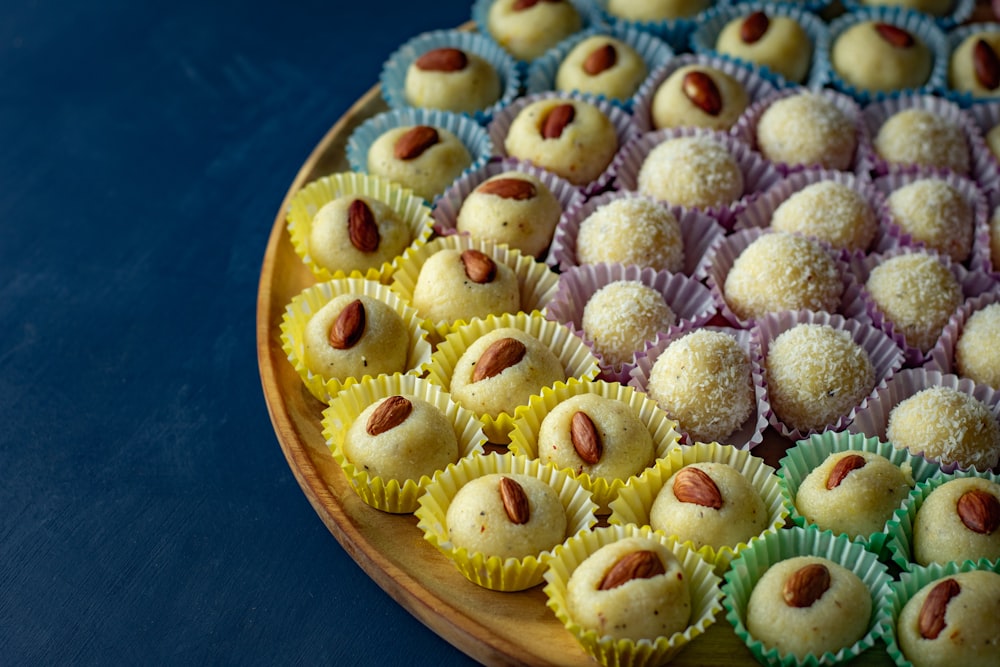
<point x="529" y="29"/>
<point x="859" y="502"/>
<point x="921" y="137"/>
<point x="969" y="634"/>
<point x="656" y="10"/>
<point x="475" y="86"/>
<point x="995" y="239"/>
<point x="962" y="75"/>
<point x="421" y="444"/>
<point x="917" y="293"/>
<point x="816" y="374"/>
<point x="478" y="521"/>
<point x="449" y="288"/>
<point x="829" y="211"/>
<point x="582" y="149"/>
<point x="948" y="426"/>
<point x="836" y="620"/>
<point x="993" y="140"/>
<point x="428" y="172"/>
<point x="941" y="535"/>
<point x="631" y="230"/>
<point x="640" y="608"/>
<point x="703" y="380"/>
<point x="807" y="128"/>
<point x="381" y="348"/>
<point x="782" y="271"/>
<point x="935" y="213"/>
<point x="695" y="172"/>
<point x="866" y="60"/>
<point x="935" y="7"/>
<point x="602" y="65"/>
<point x="626" y="447"/>
<point x="977" y="355"/>
<point x="741" y="515"/>
<point x="784" y="46"/>
<point x="673" y="107"/>
<point x="330" y="243"/>
<point x="622" y="316"/>
<point x="515" y="384"/>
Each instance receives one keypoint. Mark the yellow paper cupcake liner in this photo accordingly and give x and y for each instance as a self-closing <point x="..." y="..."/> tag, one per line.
<point x="493" y="572"/>
<point x="528" y="421"/>
<point x="391" y="495"/>
<point x="305" y="304"/>
<point x="636" y="498"/>
<point x="706" y="596"/>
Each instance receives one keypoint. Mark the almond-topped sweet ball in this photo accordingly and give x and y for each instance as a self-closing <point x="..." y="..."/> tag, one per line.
<point x="633" y="588"/>
<point x="958" y="521"/>
<point x="621" y="317"/>
<point x="881" y="57"/>
<point x="571" y="138"/>
<point x="974" y="67"/>
<point x="463" y="284"/>
<point x="977" y="355"/>
<point x="829" y="211"/>
<point x="356" y="233"/>
<point x="529" y="28"/>
<point x="952" y="621"/>
<point x="948" y="426"/>
<point x="935" y="213"/>
<point x="632" y="230"/>
<point x="698" y="96"/>
<point x="602" y="65"/>
<point x="694" y="172"/>
<point x="808" y="605"/>
<point x="656" y="10"/>
<point x="807" y="129"/>
<point x="777" y="42"/>
<point x="420" y="157"/>
<point x="512" y="207"/>
<point x="451" y="79"/>
<point x="923" y="138"/>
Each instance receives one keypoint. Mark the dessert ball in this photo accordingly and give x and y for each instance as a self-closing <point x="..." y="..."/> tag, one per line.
<point x="777" y="42"/>
<point x="831" y="212"/>
<point x="356" y="233"/>
<point x="420" y="157"/>
<point x="632" y="230"/>
<point x="881" y="57"/>
<point x="935" y="213"/>
<point x="974" y="67"/>
<point x="698" y="96"/>
<point x="622" y="316"/>
<point x="977" y="355"/>
<point x="993" y="140"/>
<point x="602" y="65"/>
<point x="528" y="29"/>
<point x="464" y="284"/>
<point x="695" y="172"/>
<point x="656" y="10"/>
<point x="807" y="129"/>
<point x="923" y="138"/>
<point x="451" y="79"/>
<point x="958" y="521"/>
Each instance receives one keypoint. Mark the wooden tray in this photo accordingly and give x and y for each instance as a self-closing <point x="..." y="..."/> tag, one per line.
<point x="492" y="627"/>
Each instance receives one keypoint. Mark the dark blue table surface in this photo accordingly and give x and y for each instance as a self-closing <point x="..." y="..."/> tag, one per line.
<point x="147" y="514"/>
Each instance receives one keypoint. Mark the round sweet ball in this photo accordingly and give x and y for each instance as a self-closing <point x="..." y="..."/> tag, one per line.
<point x="974" y="67"/>
<point x="356" y="233"/>
<point x="508" y="515"/>
<point x="596" y="436"/>
<point x="781" y="271"/>
<point x="656" y="10"/>
<point x="952" y="621"/>
<point x="458" y="285"/>
<point x="921" y="137"/>
<point x="401" y="438"/>
<point x="881" y="57"/>
<point x="632" y="230"/>
<point x="633" y="588"/>
<point x="602" y="65"/>
<point x="853" y="492"/>
<point x="948" y="426"/>
<point x="831" y="212"/>
<point x="816" y="374"/>
<point x="807" y="129"/>
<point x="527" y="29"/>
<point x="709" y="504"/>
<point x="423" y="158"/>
<point x="571" y="138"/>
<point x="451" y="79"/>
<point x="703" y="381"/>
<point x="354" y="336"/>
<point x="917" y="293"/>
<point x="958" y="521"/>
<point x="503" y="369"/>
<point x="935" y="213"/>
<point x="695" y="172"/>
<point x="777" y="42"/>
<point x="977" y="355"/>
<point x="698" y="96"/>
<point x="808" y="605"/>
<point x="622" y="316"/>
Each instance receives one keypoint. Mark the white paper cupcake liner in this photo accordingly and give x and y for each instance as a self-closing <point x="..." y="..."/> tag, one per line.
<point x="941" y="358"/>
<point x="589" y="16"/>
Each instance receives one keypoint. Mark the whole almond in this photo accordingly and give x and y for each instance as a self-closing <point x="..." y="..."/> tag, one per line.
<point x="585" y="438"/>
<point x="896" y="36"/>
<point x="521" y="5"/>
<point x="806" y="585"/>
<point x="509" y="188"/>
<point x="349" y="326"/>
<point x="515" y="501"/>
<point x="754" y="27"/>
<point x="412" y="143"/>
<point x="500" y="355"/>
<point x="362" y="228"/>
<point x="986" y="64"/>
<point x="931" y="621"/>
<point x="600" y="59"/>
<point x="390" y="413"/>
<point x="636" y="565"/>
<point x="479" y="267"/>
<point x="979" y="510"/>
<point x="444" y="59"/>
<point x="693" y="485"/>
<point x="702" y="91"/>
<point x="841" y="469"/>
<point x="556" y="121"/>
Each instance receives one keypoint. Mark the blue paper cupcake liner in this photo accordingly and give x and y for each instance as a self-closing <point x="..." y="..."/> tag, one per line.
<point x="961" y="10"/>
<point x="814" y="6"/>
<point x="589" y="16"/>
<point x="955" y="39"/>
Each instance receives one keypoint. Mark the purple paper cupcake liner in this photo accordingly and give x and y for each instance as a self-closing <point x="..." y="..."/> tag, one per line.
<point x="941" y="358"/>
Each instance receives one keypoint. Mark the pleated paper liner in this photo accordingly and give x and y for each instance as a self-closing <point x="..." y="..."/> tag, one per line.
<point x="987" y="116"/>
<point x="957" y="14"/>
<point x="956" y="36"/>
